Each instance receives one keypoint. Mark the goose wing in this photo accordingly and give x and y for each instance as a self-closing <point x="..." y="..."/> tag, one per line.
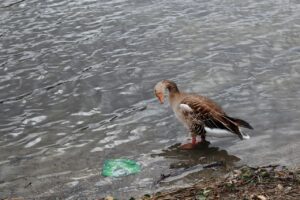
<point x="204" y="113"/>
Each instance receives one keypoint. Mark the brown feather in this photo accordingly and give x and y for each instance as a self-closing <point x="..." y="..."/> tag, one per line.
<point x="204" y="113"/>
<point x="209" y="114"/>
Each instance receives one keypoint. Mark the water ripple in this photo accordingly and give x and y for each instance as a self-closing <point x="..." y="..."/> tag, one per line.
<point x="77" y="77"/>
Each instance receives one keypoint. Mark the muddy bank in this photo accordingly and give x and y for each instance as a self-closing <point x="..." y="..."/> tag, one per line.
<point x="260" y="183"/>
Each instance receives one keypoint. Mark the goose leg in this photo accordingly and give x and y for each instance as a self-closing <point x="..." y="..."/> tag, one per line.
<point x="203" y="138"/>
<point x="194" y="143"/>
<point x="194" y="140"/>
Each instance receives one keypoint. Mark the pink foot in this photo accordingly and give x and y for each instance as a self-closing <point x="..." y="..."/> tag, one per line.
<point x="194" y="143"/>
<point x="188" y="146"/>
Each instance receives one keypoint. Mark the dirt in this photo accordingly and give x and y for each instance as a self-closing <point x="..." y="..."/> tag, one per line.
<point x="261" y="183"/>
<point x="271" y="182"/>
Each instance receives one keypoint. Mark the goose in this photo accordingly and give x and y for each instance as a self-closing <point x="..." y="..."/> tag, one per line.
<point x="199" y="114"/>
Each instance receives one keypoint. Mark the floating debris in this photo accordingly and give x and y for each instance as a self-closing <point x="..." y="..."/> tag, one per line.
<point x="120" y="167"/>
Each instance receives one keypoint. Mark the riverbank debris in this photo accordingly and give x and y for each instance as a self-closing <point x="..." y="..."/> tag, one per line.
<point x="180" y="173"/>
<point x="252" y="183"/>
<point x="248" y="183"/>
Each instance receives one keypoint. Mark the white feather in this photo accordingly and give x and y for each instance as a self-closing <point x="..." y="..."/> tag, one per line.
<point x="217" y="132"/>
<point x="185" y="107"/>
<point x="245" y="136"/>
<point x="214" y="132"/>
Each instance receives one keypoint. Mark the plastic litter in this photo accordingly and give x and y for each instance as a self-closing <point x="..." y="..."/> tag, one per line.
<point x="120" y="167"/>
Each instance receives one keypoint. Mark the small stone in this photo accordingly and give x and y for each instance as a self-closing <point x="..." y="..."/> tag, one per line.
<point x="258" y="197"/>
<point x="287" y="189"/>
<point x="109" y="198"/>
<point x="237" y="172"/>
<point x="261" y="197"/>
<point x="280" y="187"/>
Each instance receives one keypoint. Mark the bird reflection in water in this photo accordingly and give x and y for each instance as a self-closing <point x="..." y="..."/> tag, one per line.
<point x="184" y="163"/>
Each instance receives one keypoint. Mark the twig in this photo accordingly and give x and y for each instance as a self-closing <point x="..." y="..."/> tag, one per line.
<point x="248" y="181"/>
<point x="189" y="169"/>
<point x="215" y="164"/>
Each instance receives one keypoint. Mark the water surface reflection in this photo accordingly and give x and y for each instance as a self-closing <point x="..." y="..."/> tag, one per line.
<point x="76" y="88"/>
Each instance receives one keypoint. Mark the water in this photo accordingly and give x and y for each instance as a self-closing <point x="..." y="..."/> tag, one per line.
<point x="76" y="88"/>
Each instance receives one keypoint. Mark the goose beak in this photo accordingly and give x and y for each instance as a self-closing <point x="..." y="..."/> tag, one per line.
<point x="160" y="97"/>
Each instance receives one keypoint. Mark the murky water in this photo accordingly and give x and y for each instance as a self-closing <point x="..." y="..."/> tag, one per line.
<point x="76" y="88"/>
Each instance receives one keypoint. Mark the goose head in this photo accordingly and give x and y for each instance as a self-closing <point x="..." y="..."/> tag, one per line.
<point x="160" y="89"/>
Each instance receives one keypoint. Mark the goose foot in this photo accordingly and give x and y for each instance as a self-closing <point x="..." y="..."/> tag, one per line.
<point x="195" y="144"/>
<point x="189" y="146"/>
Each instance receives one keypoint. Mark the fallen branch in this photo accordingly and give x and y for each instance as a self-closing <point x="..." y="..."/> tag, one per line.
<point x="186" y="171"/>
<point x="214" y="164"/>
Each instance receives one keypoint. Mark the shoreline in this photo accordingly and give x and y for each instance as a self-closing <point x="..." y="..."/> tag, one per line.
<point x="248" y="183"/>
<point x="257" y="183"/>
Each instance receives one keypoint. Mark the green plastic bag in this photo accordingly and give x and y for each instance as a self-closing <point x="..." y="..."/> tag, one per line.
<point x="120" y="167"/>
